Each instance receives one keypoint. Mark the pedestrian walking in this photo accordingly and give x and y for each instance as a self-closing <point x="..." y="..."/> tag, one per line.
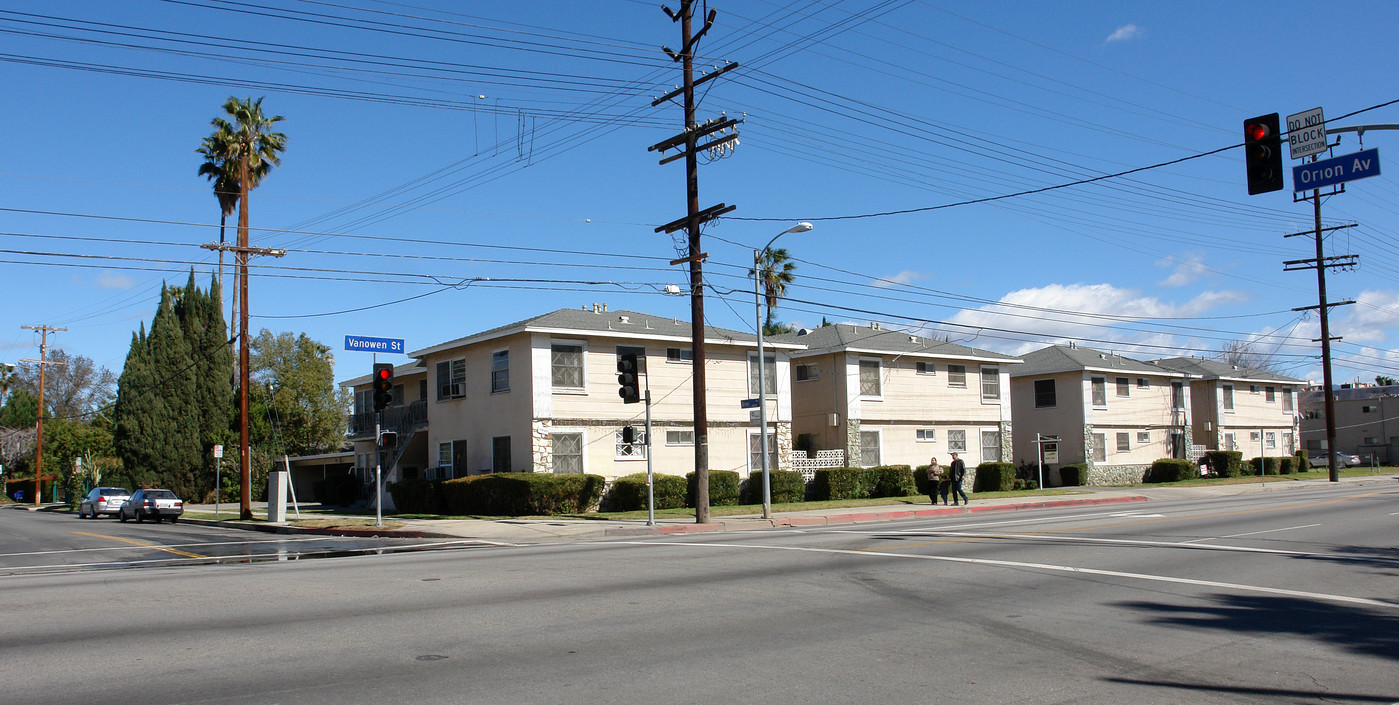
<point x="937" y="483"/>
<point x="956" y="472"/>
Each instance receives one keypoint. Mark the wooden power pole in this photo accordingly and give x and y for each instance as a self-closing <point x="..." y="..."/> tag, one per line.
<point x="691" y="223"/>
<point x="39" y="424"/>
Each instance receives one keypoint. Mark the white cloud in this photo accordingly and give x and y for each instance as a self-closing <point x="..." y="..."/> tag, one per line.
<point x="907" y="276"/>
<point x="1089" y="302"/>
<point x="1185" y="270"/>
<point x="1373" y="316"/>
<point x="1123" y="33"/>
<point x="115" y="281"/>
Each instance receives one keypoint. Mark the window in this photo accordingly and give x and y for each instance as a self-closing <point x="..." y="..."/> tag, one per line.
<point x="925" y="435"/>
<point x="566" y="361"/>
<point x="680" y="438"/>
<point x="1143" y="383"/>
<point x="990" y="384"/>
<point x="1227" y="391"/>
<point x="1367" y="409"/>
<point x="422" y="388"/>
<point x="364" y="401"/>
<point x="1100" y="447"/>
<point x="1253" y="436"/>
<point x="755" y="450"/>
<point x="1044" y="394"/>
<point x="568" y="453"/>
<point x="927" y="368"/>
<point x="957" y="375"/>
<point x="1124" y="387"/>
<point x="444" y="457"/>
<point x="1368" y="440"/>
<point x="1229" y="443"/>
<point x="1100" y="391"/>
<point x="769" y="373"/>
<point x="869" y="378"/>
<point x="1270" y="440"/>
<point x="1143" y="437"/>
<point x="500" y="454"/>
<point x="1252" y="389"/>
<point x="630" y="451"/>
<point x="1269" y="395"/>
<point x="956" y="441"/>
<point x="451" y="459"/>
<point x="869" y="448"/>
<point x="451" y="379"/>
<point x="500" y="371"/>
<point x="684" y="355"/>
<point x="990" y="446"/>
<point x="806" y="373"/>
<point x="1124" y="442"/>
<point x="1287" y="399"/>
<point x="1287" y="443"/>
<point x="1177" y="395"/>
<point x="1311" y="415"/>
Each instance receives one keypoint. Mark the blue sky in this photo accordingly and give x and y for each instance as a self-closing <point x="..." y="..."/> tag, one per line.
<point x="491" y="159"/>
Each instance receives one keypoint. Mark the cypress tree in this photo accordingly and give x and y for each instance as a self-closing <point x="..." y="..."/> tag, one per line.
<point x="134" y="413"/>
<point x="176" y="419"/>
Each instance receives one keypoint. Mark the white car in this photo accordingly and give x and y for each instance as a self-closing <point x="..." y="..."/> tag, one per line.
<point x="1343" y="460"/>
<point x="103" y="500"/>
<point x="152" y="504"/>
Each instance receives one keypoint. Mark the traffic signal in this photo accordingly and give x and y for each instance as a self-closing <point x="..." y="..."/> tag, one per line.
<point x="1263" y="154"/>
<point x="388" y="439"/>
<point x="628" y="378"/>
<point x="383" y="385"/>
<point x="628" y="434"/>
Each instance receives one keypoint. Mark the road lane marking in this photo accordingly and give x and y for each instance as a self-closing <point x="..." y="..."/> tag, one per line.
<point x="147" y="544"/>
<point x="1269" y="531"/>
<point x="178" y="545"/>
<point x="1042" y="566"/>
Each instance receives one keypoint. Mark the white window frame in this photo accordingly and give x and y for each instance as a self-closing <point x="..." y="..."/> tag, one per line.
<point x="878" y="377"/>
<point x="925" y="435"/>
<point x="754" y="458"/>
<point x="1229" y="442"/>
<point x="582" y="448"/>
<point x="455" y="386"/>
<point x="496" y="376"/>
<point x="993" y="374"/>
<point x="1287" y="405"/>
<point x="678" y="439"/>
<point x="447" y="447"/>
<point x="988" y="457"/>
<point x="635" y="451"/>
<point x="1124" y="442"/>
<point x="1177" y="386"/>
<point x="1100" y="449"/>
<point x="956" y="375"/>
<point x="953" y="444"/>
<point x="1270" y="395"/>
<point x="1143" y="383"/>
<point x="582" y="346"/>
<point x="680" y="356"/>
<point x="753" y="376"/>
<point x="1226" y="393"/>
<point x="926" y="368"/>
<point x="1270" y="439"/>
<point x="1124" y="386"/>
<point x="1143" y="438"/>
<point x="879" y="447"/>
<point x="811" y="371"/>
<point x="1098" y="392"/>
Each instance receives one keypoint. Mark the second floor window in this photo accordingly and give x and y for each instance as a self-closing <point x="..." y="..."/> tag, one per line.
<point x="769" y="373"/>
<point x="451" y="379"/>
<point x="990" y="383"/>
<point x="1100" y="391"/>
<point x="869" y="378"/>
<point x="956" y="375"/>
<point x="1044" y="394"/>
<point x="1124" y="387"/>
<point x="566" y="363"/>
<point x="500" y="371"/>
<point x="1227" y="392"/>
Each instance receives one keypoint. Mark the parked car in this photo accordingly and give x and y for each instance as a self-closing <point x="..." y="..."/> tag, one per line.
<point x="152" y="504"/>
<point x="102" y="500"/>
<point x="1343" y="460"/>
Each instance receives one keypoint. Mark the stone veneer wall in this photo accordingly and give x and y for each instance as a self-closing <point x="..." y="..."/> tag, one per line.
<point x="852" y="443"/>
<point x="541" y="446"/>
<point x="1116" y="474"/>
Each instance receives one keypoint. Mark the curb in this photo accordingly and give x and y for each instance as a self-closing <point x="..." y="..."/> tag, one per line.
<point x="855" y="518"/>
<point x="317" y="531"/>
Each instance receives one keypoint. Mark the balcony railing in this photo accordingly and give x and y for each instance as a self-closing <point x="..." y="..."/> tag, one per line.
<point x="401" y="418"/>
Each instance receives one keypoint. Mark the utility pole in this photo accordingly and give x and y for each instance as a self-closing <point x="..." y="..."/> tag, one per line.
<point x="39" y="431"/>
<point x="691" y="223"/>
<point x="241" y="254"/>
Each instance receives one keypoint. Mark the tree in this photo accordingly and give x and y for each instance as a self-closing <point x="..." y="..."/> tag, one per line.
<point x="21" y="410"/>
<point x="294" y="383"/>
<point x="74" y="385"/>
<point x="1384" y="381"/>
<point x="775" y="270"/>
<point x="220" y="167"/>
<point x="1243" y="354"/>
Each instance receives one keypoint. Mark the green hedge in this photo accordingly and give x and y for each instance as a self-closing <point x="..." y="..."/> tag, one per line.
<point x="523" y="494"/>
<point x="723" y="488"/>
<point x="920" y="479"/>
<point x="1073" y="474"/>
<point x="418" y="497"/>
<point x="629" y="492"/>
<point x="1288" y="465"/>
<point x="787" y="486"/>
<point x="1274" y="465"/>
<point x="337" y="490"/>
<point x="1172" y="470"/>
<point x="891" y="481"/>
<point x="1225" y="463"/>
<point x="994" y="477"/>
<point x="860" y="483"/>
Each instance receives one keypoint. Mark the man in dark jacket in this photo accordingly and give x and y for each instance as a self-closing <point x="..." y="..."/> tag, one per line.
<point x="956" y="472"/>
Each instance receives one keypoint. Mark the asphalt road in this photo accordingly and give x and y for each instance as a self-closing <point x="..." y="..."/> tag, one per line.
<point x="1268" y="598"/>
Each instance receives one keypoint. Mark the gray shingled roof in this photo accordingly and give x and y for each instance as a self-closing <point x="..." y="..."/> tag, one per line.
<point x="1213" y="369"/>
<point x="842" y="336"/>
<point x="630" y="324"/>
<point x="1062" y="358"/>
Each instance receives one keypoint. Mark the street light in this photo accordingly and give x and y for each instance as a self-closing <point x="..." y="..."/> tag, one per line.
<point x="762" y="362"/>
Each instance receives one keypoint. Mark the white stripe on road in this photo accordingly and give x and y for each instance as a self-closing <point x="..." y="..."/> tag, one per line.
<point x="1040" y="566"/>
<point x="1269" y="531"/>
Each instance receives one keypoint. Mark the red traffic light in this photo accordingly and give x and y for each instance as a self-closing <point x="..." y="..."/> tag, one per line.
<point x="1256" y="131"/>
<point x="385" y="373"/>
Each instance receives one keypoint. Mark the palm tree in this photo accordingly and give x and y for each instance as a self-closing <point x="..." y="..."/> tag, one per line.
<point x="219" y="168"/>
<point x="253" y="149"/>
<point x="776" y="269"/>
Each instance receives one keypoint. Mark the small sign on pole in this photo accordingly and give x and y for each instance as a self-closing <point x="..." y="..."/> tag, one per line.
<point x="218" y="451"/>
<point x="364" y="343"/>
<point x="748" y="404"/>
<point x="1337" y="170"/>
<point x="1306" y="133"/>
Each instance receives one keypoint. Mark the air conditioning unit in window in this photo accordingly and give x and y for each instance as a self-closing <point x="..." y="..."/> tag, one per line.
<point x="457" y="389"/>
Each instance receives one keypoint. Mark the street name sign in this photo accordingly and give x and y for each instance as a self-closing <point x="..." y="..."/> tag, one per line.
<point x="1329" y="172"/>
<point x="364" y="343"/>
<point x="1306" y="133"/>
<point x="748" y="404"/>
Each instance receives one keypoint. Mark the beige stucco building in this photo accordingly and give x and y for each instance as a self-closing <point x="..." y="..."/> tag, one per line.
<point x="1237" y="408"/>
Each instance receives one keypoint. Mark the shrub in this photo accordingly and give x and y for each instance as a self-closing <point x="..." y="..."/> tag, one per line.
<point x="1172" y="470"/>
<point x="418" y="497"/>
<point x="523" y="493"/>
<point x="787" y="486"/>
<point x="629" y="492"/>
<point x="1074" y="474"/>
<point x="994" y="477"/>
<point x="890" y="481"/>
<point x="840" y="483"/>
<point x="1225" y="463"/>
<point x="337" y="490"/>
<point x="1273" y="465"/>
<point x="723" y="488"/>
<point x="1287" y="465"/>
